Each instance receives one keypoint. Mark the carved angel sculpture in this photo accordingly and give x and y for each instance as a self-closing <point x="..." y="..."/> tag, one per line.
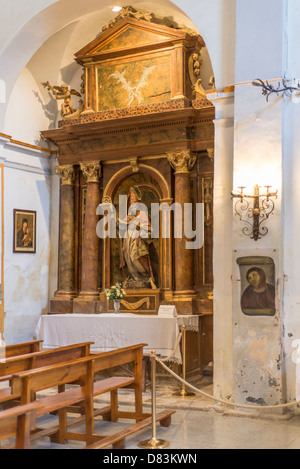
<point x="63" y="92"/>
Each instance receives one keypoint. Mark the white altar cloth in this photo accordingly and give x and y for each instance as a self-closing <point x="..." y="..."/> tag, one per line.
<point x="112" y="331"/>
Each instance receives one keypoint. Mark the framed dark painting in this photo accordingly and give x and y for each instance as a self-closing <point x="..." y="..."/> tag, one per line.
<point x="24" y="231"/>
<point x="258" y="287"/>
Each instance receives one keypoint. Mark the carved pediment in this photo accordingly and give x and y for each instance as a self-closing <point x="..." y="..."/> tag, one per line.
<point x="131" y="36"/>
<point x="135" y="62"/>
<point x="130" y="33"/>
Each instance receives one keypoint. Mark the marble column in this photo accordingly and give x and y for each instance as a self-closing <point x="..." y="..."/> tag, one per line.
<point x="222" y="243"/>
<point x="61" y="303"/>
<point x="182" y="162"/>
<point x="89" y="292"/>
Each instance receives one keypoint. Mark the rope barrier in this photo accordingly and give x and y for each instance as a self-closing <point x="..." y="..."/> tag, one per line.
<point x="174" y="349"/>
<point x="231" y="404"/>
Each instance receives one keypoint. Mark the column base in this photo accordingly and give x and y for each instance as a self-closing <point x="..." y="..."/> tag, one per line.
<point x="61" y="305"/>
<point x="185" y="302"/>
<point x="88" y="305"/>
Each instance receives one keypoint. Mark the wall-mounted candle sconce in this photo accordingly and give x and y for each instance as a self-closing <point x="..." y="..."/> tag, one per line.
<point x="254" y="215"/>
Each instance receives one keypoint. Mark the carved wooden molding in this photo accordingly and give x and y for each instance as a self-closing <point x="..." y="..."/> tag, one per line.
<point x="107" y="200"/>
<point x="182" y="161"/>
<point x="211" y="153"/>
<point x="91" y="171"/>
<point x="207" y="197"/>
<point x="128" y="12"/>
<point x="66" y="174"/>
<point x="134" y="165"/>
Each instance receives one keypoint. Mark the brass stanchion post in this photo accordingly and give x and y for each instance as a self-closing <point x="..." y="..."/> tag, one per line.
<point x="183" y="392"/>
<point x="154" y="442"/>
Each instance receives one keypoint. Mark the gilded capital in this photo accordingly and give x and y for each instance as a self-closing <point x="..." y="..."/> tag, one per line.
<point x="66" y="174"/>
<point x="182" y="161"/>
<point x="91" y="171"/>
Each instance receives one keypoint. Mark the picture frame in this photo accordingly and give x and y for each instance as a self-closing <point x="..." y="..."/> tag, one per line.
<point x="24" y="233"/>
<point x="258" y="285"/>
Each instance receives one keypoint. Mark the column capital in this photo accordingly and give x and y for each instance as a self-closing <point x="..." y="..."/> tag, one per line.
<point x="91" y="170"/>
<point x="182" y="161"/>
<point x="168" y="201"/>
<point x="66" y="174"/>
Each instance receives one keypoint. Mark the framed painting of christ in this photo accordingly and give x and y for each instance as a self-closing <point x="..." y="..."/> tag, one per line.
<point x="24" y="231"/>
<point x="258" y="295"/>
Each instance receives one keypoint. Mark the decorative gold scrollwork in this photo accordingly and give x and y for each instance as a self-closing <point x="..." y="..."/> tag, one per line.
<point x="136" y="305"/>
<point x="182" y="161"/>
<point x="66" y="174"/>
<point x="91" y="171"/>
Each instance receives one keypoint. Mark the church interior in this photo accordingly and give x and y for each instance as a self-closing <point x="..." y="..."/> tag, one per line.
<point x="148" y="242"/>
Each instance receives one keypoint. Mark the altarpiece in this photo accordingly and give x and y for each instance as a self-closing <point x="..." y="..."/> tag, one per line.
<point x="144" y="129"/>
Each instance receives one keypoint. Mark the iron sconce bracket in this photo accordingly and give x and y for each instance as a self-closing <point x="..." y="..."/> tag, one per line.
<point x="256" y="214"/>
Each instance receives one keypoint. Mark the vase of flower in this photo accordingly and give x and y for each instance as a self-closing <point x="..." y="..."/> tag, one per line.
<point x="117" y="306"/>
<point x="116" y="293"/>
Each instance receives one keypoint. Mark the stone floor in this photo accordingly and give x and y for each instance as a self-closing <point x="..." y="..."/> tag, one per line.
<point x="197" y="424"/>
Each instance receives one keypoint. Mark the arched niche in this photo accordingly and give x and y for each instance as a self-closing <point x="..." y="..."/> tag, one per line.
<point x="147" y="179"/>
<point x="123" y="173"/>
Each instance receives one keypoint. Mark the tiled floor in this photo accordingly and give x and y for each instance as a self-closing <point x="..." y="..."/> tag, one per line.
<point x="196" y="424"/>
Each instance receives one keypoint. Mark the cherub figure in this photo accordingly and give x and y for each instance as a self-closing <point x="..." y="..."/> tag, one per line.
<point x="63" y="92"/>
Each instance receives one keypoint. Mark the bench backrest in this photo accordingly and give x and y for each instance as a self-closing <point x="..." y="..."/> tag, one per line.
<point x="122" y="356"/>
<point x="22" y="348"/>
<point x="44" y="358"/>
<point x="10" y="418"/>
<point x="26" y="382"/>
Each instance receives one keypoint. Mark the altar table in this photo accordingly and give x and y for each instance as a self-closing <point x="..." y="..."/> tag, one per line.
<point x="112" y="331"/>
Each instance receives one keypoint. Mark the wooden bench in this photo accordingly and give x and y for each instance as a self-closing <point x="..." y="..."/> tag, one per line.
<point x="22" y="348"/>
<point x="18" y="423"/>
<point x="27" y="384"/>
<point x="117" y="441"/>
<point x="43" y="358"/>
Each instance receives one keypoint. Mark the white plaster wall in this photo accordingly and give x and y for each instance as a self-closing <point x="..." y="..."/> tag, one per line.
<point x="291" y="248"/>
<point x="13" y="18"/>
<point x="258" y="133"/>
<point x="291" y="221"/>
<point x="259" y="39"/>
<point x="26" y="116"/>
<point x="26" y="276"/>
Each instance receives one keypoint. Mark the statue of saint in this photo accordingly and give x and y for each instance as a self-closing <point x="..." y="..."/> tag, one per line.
<point x="135" y="252"/>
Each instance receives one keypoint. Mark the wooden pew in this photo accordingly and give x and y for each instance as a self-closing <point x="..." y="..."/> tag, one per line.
<point x="27" y="384"/>
<point x="37" y="360"/>
<point x="43" y="358"/>
<point x="22" y="348"/>
<point x="117" y="440"/>
<point x="18" y="423"/>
